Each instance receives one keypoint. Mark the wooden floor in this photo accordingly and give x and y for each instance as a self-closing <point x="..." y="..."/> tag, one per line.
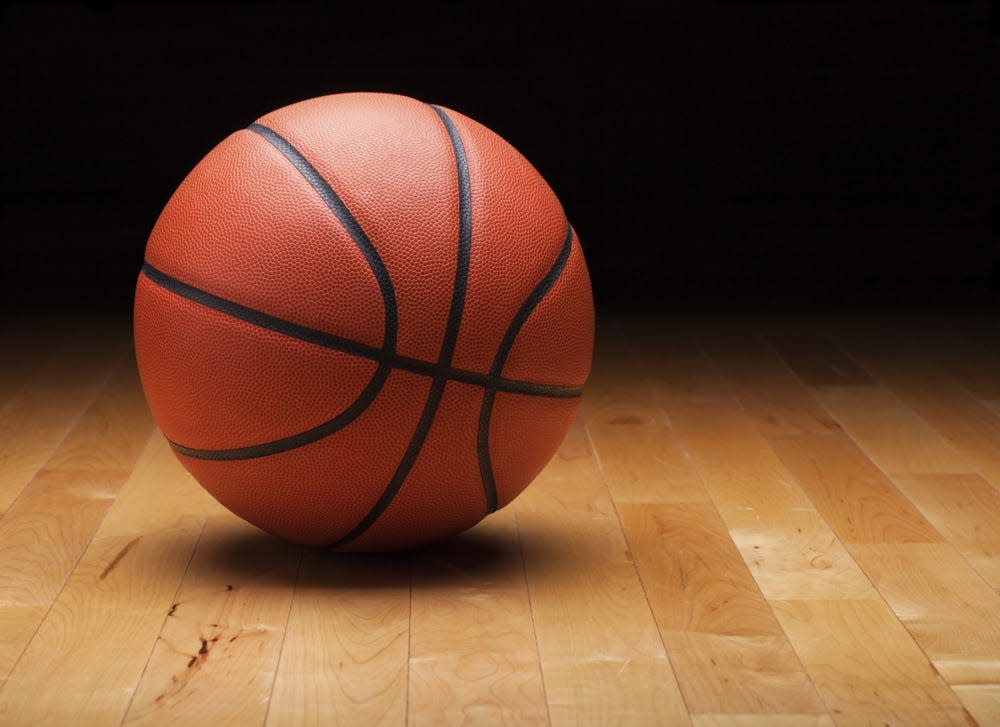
<point x="770" y="519"/>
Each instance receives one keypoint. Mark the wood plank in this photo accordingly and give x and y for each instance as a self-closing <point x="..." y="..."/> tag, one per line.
<point x="770" y="393"/>
<point x="112" y="431"/>
<point x="802" y="559"/>
<point x="950" y="612"/>
<point x="759" y="499"/>
<point x="346" y="645"/>
<point x="819" y="362"/>
<point x="965" y="509"/>
<point x="685" y="384"/>
<point x="859" y="502"/>
<point x="669" y="564"/>
<point x="473" y="656"/>
<point x="977" y="684"/>
<point x="964" y="423"/>
<point x="791" y="551"/>
<point x="41" y="540"/>
<point x="215" y="658"/>
<point x="776" y="501"/>
<point x="866" y="666"/>
<point x="37" y="418"/>
<point x="982" y="701"/>
<point x="99" y="633"/>
<point x="786" y="543"/>
<point x="748" y="483"/>
<point x="638" y="454"/>
<point x="892" y="435"/>
<point x="990" y="470"/>
<point x="728" y="651"/>
<point x="699" y="399"/>
<point x="762" y="720"/>
<point x="601" y="655"/>
<point x="48" y="527"/>
<point x="970" y="671"/>
<point x="619" y="410"/>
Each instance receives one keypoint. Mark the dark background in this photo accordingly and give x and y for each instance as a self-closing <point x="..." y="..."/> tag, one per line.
<point x="715" y="153"/>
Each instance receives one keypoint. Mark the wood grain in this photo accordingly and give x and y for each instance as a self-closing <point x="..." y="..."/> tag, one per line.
<point x="965" y="509"/>
<point x="601" y="655"/>
<point x="345" y="655"/>
<point x="41" y="540"/>
<point x="728" y="651"/>
<point x="858" y="501"/>
<point x="790" y="549"/>
<point x="47" y="528"/>
<point x="787" y="544"/>
<point x="639" y="456"/>
<point x="36" y="419"/>
<point x="968" y="426"/>
<point x="977" y="684"/>
<point x="865" y="665"/>
<point x="216" y="654"/>
<point x="950" y="612"/>
<point x="683" y="381"/>
<point x="892" y="434"/>
<point x="770" y="518"/>
<point x="762" y="720"/>
<point x="982" y="701"/>
<point x="802" y="560"/>
<point x="98" y="635"/>
<point x="769" y="392"/>
<point x="474" y="585"/>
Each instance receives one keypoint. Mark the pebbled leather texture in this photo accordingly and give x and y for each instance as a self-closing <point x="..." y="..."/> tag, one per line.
<point x="390" y="458"/>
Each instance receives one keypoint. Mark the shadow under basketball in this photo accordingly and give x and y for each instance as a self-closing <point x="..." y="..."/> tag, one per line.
<point x="480" y="556"/>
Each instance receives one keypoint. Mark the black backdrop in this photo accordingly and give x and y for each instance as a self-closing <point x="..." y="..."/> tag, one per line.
<point x="728" y="153"/>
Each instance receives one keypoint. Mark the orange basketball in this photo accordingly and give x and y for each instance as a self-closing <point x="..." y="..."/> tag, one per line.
<point x="364" y="322"/>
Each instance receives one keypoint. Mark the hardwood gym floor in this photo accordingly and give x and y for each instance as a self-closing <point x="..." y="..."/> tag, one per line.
<point x="767" y="520"/>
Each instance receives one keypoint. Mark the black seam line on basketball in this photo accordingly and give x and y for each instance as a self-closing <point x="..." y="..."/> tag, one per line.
<point x="259" y="319"/>
<point x="405" y="464"/>
<point x="356" y="348"/>
<point x="339" y="209"/>
<point x="301" y="439"/>
<point x="464" y="239"/>
<point x="447" y="344"/>
<point x="486" y="412"/>
<point x="381" y="373"/>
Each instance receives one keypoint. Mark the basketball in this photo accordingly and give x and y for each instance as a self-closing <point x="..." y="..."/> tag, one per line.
<point x="363" y="322"/>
